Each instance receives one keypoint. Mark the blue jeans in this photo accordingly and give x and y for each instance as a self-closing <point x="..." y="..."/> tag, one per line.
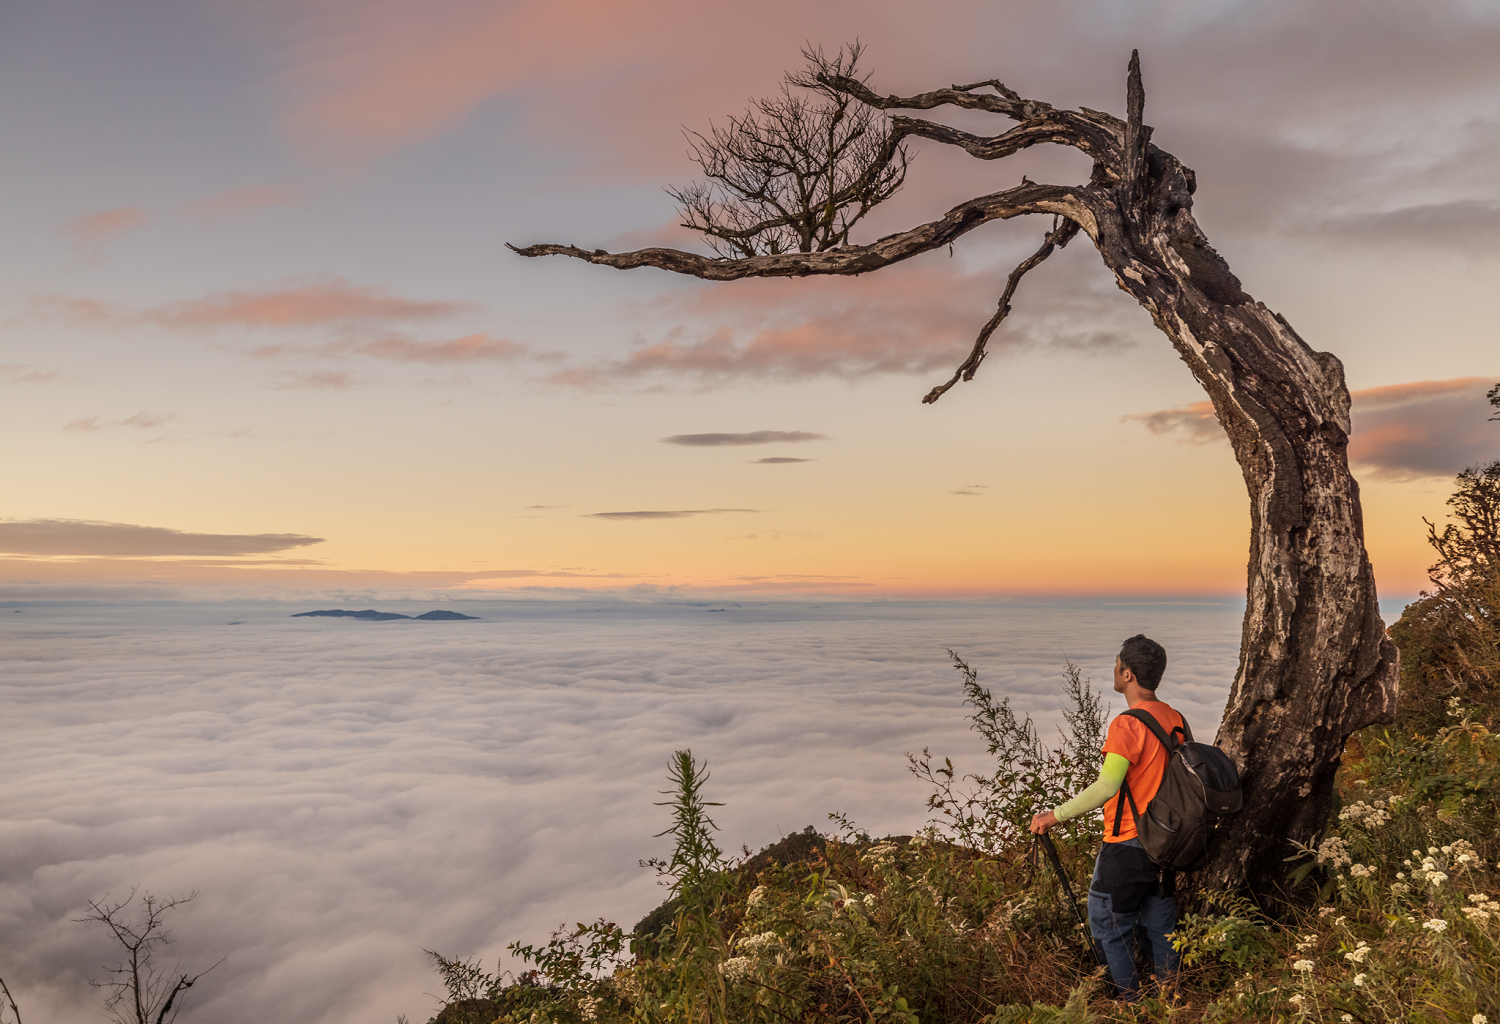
<point x="1115" y="933"/>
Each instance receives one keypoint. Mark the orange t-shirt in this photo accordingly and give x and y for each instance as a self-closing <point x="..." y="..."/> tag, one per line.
<point x="1148" y="763"/>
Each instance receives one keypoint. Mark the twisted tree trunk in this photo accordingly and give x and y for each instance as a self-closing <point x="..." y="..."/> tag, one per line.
<point x="1315" y="665"/>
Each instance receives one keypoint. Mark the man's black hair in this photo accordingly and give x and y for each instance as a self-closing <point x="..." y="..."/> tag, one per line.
<point x="1146" y="658"/>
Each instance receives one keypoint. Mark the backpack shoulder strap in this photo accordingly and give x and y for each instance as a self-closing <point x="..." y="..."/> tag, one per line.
<point x="1149" y="721"/>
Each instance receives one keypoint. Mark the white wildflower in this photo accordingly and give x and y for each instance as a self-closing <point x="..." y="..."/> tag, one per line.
<point x="1479" y="1018"/>
<point x="1325" y="911"/>
<point x="1334" y="852"/>
<point x="753" y="942"/>
<point x="1295" y="1000"/>
<point x="1400" y="887"/>
<point x="1360" y="871"/>
<point x="737" y="968"/>
<point x="1447" y="849"/>
<point x="1436" y="924"/>
<point x="1436" y="878"/>
<point x="1346" y="1016"/>
<point x="756" y="895"/>
<point x="588" y="1007"/>
<point x="1358" y="954"/>
<point x="1401" y="874"/>
<point x="1303" y="965"/>
<point x="1359" y="980"/>
<point x="1432" y="849"/>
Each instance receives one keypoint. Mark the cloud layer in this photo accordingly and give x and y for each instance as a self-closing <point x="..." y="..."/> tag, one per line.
<point x="343" y="795"/>
<point x="120" y="540"/>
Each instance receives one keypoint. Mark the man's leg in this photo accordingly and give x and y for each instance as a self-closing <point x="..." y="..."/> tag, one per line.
<point x="1159" y="916"/>
<point x="1114" y="933"/>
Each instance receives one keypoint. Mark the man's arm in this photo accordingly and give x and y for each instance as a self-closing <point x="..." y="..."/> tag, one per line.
<point x="1095" y="796"/>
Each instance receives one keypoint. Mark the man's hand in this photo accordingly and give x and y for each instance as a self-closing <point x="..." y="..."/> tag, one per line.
<point x="1042" y="822"/>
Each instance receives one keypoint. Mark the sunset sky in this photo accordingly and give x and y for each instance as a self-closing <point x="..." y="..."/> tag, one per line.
<point x="260" y="335"/>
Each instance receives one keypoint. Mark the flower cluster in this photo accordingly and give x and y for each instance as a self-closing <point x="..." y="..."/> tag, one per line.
<point x="751" y="943"/>
<point x="1482" y="907"/>
<point x="1430" y="871"/>
<point x="1334" y="852"/>
<point x="1366" y="816"/>
<point x="1358" y="953"/>
<point x="737" y="968"/>
<point x="879" y="855"/>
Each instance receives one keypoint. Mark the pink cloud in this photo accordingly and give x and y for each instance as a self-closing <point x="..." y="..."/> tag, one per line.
<point x="91" y="231"/>
<point x="334" y="301"/>
<point x="1427" y="428"/>
<point x="241" y="200"/>
<point x="315" y="380"/>
<point x="330" y="302"/>
<point x="471" y="348"/>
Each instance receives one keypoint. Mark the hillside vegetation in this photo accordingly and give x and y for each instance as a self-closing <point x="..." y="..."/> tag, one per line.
<point x="1391" y="914"/>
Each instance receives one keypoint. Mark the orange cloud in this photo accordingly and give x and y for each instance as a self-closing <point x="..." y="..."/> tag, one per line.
<point x="241" y="200"/>
<point x="471" y="348"/>
<point x="1197" y="422"/>
<point x="1427" y="428"/>
<point x="330" y="302"/>
<point x="91" y="231"/>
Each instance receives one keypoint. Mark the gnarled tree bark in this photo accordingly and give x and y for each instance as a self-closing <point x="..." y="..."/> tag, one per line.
<point x="1315" y="665"/>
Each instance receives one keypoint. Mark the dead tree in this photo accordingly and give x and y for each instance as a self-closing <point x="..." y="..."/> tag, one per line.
<point x="140" y="991"/>
<point x="1315" y="664"/>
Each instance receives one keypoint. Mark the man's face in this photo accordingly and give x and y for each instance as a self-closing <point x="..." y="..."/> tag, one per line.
<point x="1122" y="675"/>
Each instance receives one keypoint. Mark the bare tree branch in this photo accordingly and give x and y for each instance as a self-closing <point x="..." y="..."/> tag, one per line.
<point x="795" y="173"/>
<point x="148" y="995"/>
<point x="1061" y="234"/>
<point x="854" y="259"/>
<point x="14" y="1009"/>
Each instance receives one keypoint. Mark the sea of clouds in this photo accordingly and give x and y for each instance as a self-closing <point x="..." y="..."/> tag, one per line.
<point x="343" y="793"/>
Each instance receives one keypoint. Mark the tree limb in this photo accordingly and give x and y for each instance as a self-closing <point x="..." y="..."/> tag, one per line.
<point x="1059" y="236"/>
<point x="1065" y="201"/>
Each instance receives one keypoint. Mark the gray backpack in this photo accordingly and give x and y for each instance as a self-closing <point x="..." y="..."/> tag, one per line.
<point x="1200" y="792"/>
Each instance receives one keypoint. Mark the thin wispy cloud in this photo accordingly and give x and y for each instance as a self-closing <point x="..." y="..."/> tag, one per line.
<point x="778" y="460"/>
<point x="752" y="437"/>
<point x="1401" y="431"/>
<point x="25" y="373"/>
<point x="314" y="380"/>
<point x="674" y="514"/>
<point x="79" y="537"/>
<point x="242" y="200"/>
<point x="139" y="421"/>
<point x="472" y="348"/>
<point x="328" y="302"/>
<point x="92" y="230"/>
<point x="971" y="491"/>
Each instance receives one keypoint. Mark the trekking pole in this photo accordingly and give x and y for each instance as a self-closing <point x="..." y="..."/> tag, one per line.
<point x="1045" y="842"/>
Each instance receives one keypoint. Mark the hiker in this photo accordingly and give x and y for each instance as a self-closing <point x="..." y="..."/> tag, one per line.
<point x="1128" y="889"/>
